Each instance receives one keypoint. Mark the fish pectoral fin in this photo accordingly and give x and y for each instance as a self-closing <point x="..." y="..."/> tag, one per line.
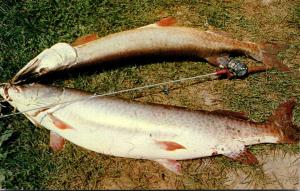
<point x="169" y="145"/>
<point x="168" y="21"/>
<point x="245" y="157"/>
<point x="171" y="165"/>
<point x="232" y="114"/>
<point x="57" y="142"/>
<point x="59" y="123"/>
<point x="85" y="39"/>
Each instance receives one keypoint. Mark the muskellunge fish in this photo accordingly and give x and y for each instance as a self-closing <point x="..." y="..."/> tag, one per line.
<point x="132" y="129"/>
<point x="159" y="39"/>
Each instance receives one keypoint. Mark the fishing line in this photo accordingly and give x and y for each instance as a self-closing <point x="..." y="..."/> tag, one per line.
<point x="3" y="84"/>
<point x="215" y="74"/>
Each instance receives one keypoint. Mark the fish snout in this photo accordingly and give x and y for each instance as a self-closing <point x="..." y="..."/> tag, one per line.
<point x="28" y="70"/>
<point x="57" y="57"/>
<point x="4" y="89"/>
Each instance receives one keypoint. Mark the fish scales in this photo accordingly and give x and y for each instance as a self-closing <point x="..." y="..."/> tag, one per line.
<point x="161" y="41"/>
<point x="165" y="40"/>
<point x="123" y="128"/>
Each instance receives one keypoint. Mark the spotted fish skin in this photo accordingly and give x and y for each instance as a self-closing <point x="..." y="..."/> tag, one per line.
<point x="154" y="40"/>
<point x="162" y="133"/>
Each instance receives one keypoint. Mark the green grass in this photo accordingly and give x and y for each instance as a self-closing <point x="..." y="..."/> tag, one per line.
<point x="28" y="27"/>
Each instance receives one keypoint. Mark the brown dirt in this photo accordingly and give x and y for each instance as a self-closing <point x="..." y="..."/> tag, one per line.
<point x="281" y="171"/>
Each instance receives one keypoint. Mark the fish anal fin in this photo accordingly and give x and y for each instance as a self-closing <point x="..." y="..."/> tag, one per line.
<point x="85" y="39"/>
<point x="171" y="165"/>
<point x="169" y="145"/>
<point x="232" y="114"/>
<point x="57" y="142"/>
<point x="59" y="123"/>
<point x="245" y="157"/>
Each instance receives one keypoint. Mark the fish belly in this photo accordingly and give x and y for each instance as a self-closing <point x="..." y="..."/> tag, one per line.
<point x="129" y="136"/>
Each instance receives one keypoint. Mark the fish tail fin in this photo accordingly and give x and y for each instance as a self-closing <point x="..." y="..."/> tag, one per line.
<point x="281" y="119"/>
<point x="267" y="53"/>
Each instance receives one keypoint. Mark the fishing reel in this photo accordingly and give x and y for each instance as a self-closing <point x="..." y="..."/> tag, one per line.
<point x="235" y="68"/>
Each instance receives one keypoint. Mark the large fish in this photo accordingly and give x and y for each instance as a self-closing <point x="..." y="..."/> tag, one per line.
<point x="156" y="132"/>
<point x="159" y="39"/>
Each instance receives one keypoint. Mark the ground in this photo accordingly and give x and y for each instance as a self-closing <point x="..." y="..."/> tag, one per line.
<point x="28" y="27"/>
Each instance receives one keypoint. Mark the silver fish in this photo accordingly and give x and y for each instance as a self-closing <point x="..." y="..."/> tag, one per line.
<point x="138" y="130"/>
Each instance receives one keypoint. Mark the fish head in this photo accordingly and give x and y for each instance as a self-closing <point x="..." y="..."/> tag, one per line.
<point x="7" y="89"/>
<point x="2" y="90"/>
<point x="14" y="94"/>
<point x="29" y="96"/>
<point x="58" y="57"/>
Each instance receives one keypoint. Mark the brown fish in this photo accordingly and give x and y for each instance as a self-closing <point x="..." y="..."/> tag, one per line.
<point x="159" y="39"/>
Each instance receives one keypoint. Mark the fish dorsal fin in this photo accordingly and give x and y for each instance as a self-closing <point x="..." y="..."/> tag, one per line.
<point x="85" y="39"/>
<point x="219" y="32"/>
<point x="57" y="142"/>
<point x="168" y="21"/>
<point x="244" y="156"/>
<point x="232" y="114"/>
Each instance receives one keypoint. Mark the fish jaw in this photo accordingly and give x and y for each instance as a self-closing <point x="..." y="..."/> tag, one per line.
<point x="6" y="90"/>
<point x="57" y="57"/>
<point x="13" y="95"/>
<point x="27" y="97"/>
<point x="2" y="91"/>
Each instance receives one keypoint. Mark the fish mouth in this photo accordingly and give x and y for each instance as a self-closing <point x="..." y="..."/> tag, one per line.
<point x="27" y="72"/>
<point x="2" y="86"/>
<point x="4" y="91"/>
<point x="58" y="56"/>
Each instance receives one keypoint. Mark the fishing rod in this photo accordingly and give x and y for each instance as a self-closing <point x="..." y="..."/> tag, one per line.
<point x="212" y="75"/>
<point x="230" y="68"/>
